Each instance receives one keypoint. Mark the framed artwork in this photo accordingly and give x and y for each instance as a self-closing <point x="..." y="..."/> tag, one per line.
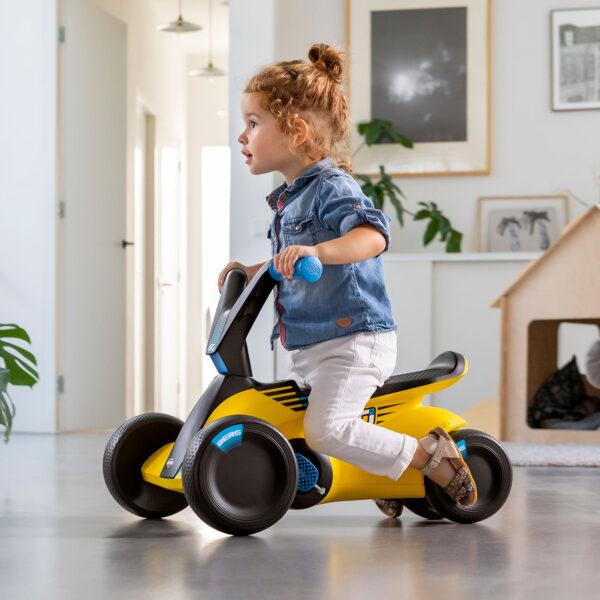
<point x="575" y="59"/>
<point x="424" y="65"/>
<point x="520" y="223"/>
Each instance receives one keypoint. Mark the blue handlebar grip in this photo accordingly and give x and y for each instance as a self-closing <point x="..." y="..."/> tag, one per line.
<point x="308" y="268"/>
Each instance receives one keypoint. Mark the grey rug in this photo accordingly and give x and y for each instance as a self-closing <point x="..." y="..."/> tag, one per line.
<point x="552" y="455"/>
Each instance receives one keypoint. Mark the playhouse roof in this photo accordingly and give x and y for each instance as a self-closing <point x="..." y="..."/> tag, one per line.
<point x="568" y="231"/>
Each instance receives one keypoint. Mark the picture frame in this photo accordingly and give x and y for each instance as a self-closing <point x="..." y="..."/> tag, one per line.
<point x="436" y="94"/>
<point x="520" y="223"/>
<point x="575" y="43"/>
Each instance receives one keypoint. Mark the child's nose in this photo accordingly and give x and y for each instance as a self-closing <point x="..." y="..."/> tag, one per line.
<point x="242" y="138"/>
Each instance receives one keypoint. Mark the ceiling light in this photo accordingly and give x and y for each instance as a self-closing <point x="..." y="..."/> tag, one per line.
<point x="179" y="26"/>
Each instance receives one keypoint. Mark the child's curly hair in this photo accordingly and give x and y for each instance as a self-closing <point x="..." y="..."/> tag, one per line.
<point x="314" y="89"/>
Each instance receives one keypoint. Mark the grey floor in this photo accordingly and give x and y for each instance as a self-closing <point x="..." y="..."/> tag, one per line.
<point x="62" y="536"/>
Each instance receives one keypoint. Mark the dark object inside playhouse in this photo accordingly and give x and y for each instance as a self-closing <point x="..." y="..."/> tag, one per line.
<point x="559" y="398"/>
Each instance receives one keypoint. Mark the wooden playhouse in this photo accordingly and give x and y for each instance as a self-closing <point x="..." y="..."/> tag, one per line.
<point x="562" y="286"/>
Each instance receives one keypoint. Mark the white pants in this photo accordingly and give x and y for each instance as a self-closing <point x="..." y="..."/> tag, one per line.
<point x="343" y="373"/>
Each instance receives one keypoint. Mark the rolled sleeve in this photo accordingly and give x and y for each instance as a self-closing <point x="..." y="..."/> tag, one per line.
<point x="343" y="206"/>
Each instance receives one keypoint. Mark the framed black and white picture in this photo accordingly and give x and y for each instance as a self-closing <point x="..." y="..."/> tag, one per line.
<point x="575" y="59"/>
<point x="520" y="223"/>
<point x="425" y="66"/>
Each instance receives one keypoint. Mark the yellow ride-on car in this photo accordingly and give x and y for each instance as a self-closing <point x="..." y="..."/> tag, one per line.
<point x="240" y="459"/>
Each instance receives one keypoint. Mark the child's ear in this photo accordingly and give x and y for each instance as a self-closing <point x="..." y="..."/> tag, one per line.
<point x="301" y="131"/>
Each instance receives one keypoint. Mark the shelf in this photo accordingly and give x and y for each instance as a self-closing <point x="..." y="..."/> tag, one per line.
<point x="463" y="257"/>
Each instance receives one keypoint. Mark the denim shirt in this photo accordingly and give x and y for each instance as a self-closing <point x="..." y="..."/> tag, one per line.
<point x="324" y="203"/>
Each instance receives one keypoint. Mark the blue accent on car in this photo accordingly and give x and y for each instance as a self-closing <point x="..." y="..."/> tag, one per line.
<point x="218" y="362"/>
<point x="462" y="446"/>
<point x="228" y="438"/>
<point x="308" y="474"/>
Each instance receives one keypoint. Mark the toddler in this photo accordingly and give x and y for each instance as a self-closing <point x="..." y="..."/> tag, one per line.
<point x="339" y="331"/>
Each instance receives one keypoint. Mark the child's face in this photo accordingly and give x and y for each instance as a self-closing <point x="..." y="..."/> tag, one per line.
<point x="265" y="147"/>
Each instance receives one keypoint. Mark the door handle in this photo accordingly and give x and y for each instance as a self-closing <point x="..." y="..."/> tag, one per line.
<point x="125" y="243"/>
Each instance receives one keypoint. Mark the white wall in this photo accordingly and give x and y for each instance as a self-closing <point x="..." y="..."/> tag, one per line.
<point x="534" y="150"/>
<point x="27" y="196"/>
<point x="252" y="44"/>
<point x="208" y="125"/>
<point x="156" y="73"/>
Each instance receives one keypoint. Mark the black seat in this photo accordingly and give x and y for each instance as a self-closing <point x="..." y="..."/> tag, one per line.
<point x="445" y="366"/>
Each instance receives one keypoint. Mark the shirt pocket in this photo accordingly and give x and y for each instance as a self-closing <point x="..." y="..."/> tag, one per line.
<point x="299" y="231"/>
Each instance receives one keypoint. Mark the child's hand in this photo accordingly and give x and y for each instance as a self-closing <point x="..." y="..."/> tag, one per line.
<point x="284" y="261"/>
<point x="233" y="265"/>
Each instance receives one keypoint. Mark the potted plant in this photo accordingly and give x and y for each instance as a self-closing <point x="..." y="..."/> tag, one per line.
<point x="437" y="223"/>
<point x="17" y="367"/>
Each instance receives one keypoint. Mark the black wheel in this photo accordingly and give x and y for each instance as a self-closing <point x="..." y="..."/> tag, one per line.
<point x="492" y="471"/>
<point x="127" y="449"/>
<point x="422" y="507"/>
<point x="240" y="475"/>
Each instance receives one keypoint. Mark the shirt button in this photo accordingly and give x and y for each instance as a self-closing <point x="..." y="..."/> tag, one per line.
<point x="297" y="228"/>
<point x="358" y="206"/>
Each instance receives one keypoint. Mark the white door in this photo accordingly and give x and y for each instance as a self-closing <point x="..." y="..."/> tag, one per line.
<point x="91" y="263"/>
<point x="144" y="280"/>
<point x="168" y="380"/>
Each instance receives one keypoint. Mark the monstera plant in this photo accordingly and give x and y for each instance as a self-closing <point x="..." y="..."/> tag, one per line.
<point x="18" y="369"/>
<point x="379" y="189"/>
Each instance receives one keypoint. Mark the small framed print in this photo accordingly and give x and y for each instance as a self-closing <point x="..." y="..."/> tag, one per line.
<point x="520" y="223"/>
<point x="575" y="59"/>
<point x="425" y="66"/>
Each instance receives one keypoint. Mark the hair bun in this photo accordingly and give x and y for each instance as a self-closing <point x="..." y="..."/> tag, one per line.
<point x="328" y="59"/>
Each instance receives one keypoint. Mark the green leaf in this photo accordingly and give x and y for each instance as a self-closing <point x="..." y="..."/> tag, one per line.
<point x="388" y="182"/>
<point x="454" y="241"/>
<point x="377" y="198"/>
<point x="430" y="232"/>
<point x="445" y="227"/>
<point x="12" y="330"/>
<point x="362" y="127"/>
<point x="367" y="189"/>
<point x="363" y="178"/>
<point x="422" y="214"/>
<point x="401" y="139"/>
<point x="23" y="364"/>
<point x="399" y="208"/>
<point x="21" y="373"/>
<point x="7" y="413"/>
<point x="373" y="133"/>
<point x="376" y="129"/>
<point x="28" y="355"/>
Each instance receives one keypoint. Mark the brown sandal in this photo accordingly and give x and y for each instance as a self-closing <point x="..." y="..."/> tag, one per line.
<point x="462" y="485"/>
<point x="390" y="508"/>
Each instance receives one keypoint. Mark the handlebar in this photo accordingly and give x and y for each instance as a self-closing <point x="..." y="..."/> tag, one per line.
<point x="308" y="268"/>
